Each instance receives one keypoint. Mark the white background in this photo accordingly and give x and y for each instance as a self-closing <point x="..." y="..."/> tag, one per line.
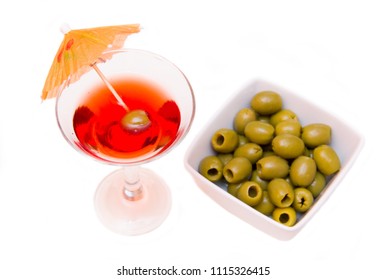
<point x="332" y="51"/>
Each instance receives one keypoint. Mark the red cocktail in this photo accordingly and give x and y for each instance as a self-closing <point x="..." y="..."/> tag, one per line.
<point x="108" y="131"/>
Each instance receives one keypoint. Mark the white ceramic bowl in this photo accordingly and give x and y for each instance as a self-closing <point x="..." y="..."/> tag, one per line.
<point x="345" y="140"/>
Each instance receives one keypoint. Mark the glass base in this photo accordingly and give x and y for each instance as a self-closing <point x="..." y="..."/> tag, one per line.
<point x="132" y="215"/>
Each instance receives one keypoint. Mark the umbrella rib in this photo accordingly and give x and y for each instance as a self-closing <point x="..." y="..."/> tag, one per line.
<point x="109" y="86"/>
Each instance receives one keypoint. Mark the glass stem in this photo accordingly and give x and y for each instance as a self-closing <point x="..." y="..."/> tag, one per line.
<point x="133" y="189"/>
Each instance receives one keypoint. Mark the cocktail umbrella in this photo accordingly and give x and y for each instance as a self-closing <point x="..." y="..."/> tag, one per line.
<point x="80" y="51"/>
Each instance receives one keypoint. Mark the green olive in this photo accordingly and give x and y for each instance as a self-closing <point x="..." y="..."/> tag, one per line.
<point x="243" y="117"/>
<point x="316" y="134"/>
<point x="280" y="192"/>
<point x="287" y="146"/>
<point x="251" y="151"/>
<point x="250" y="193"/>
<point x="266" y="102"/>
<point x="225" y="140"/>
<point x="238" y="169"/>
<point x="302" y="171"/>
<point x="282" y="115"/>
<point x="317" y="184"/>
<point x="136" y="120"/>
<point x="264" y="119"/>
<point x="211" y="168"/>
<point x="326" y="160"/>
<point x="242" y="140"/>
<point x="233" y="188"/>
<point x="225" y="158"/>
<point x="303" y="200"/>
<point x="265" y="206"/>
<point x="259" y="132"/>
<point x="267" y="153"/>
<point x="285" y="216"/>
<point x="290" y="126"/>
<point x="271" y="167"/>
<point x="255" y="177"/>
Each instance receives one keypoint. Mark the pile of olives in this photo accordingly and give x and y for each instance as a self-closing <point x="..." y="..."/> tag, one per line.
<point x="270" y="161"/>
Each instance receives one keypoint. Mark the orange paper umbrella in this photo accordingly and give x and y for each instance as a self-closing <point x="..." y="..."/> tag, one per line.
<point x="79" y="52"/>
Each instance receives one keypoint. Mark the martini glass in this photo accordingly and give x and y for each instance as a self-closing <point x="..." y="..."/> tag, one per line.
<point x="150" y="112"/>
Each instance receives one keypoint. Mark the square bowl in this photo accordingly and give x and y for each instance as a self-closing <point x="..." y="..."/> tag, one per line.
<point x="307" y="113"/>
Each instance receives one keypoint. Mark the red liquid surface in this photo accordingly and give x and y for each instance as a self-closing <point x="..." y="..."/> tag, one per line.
<point x="97" y="121"/>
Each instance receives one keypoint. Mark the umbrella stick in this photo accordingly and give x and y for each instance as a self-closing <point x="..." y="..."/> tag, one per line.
<point x="110" y="87"/>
